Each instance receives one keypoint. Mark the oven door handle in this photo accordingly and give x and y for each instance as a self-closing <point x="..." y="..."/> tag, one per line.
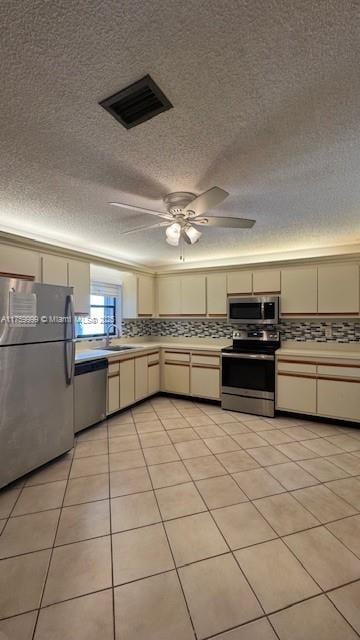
<point x="248" y="356"/>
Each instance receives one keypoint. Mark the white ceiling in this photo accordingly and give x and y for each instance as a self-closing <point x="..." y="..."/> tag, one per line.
<point x="266" y="97"/>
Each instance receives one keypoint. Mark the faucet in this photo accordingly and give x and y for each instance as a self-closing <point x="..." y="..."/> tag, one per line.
<point x="108" y="339"/>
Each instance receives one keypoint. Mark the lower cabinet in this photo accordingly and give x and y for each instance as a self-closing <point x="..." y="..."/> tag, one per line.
<point x="127" y="383"/>
<point x="339" y="399"/>
<point x="296" y="393"/>
<point x="205" y="382"/>
<point x="113" y="393"/>
<point x="153" y="378"/>
<point x="176" y="378"/>
<point x="141" y="377"/>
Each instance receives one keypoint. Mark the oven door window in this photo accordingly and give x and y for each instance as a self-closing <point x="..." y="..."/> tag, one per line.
<point x="247" y="373"/>
<point x="245" y="311"/>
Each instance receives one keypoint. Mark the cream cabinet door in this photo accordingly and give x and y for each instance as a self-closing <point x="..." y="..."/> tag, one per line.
<point x="339" y="399"/>
<point x="266" y="281"/>
<point x="193" y="296"/>
<point x="113" y="394"/>
<point x="239" y="282"/>
<point x="153" y="378"/>
<point x="169" y="296"/>
<point x="54" y="270"/>
<point x="79" y="278"/>
<point x="338" y="288"/>
<point x="298" y="291"/>
<point x="296" y="394"/>
<point x="19" y="262"/>
<point x="141" y="377"/>
<point x="145" y="296"/>
<point x="176" y="378"/>
<point x="205" y="382"/>
<point x="127" y="383"/>
<point x="216" y="289"/>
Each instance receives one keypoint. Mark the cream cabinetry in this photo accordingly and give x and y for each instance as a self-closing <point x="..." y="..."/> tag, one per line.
<point x="153" y="364"/>
<point x="145" y="296"/>
<point x="298" y="291"/>
<point x="79" y="278"/>
<point x="239" y="282"/>
<point x="296" y="393"/>
<point x="339" y="399"/>
<point x="113" y="393"/>
<point x="19" y="262"/>
<point x="169" y="296"/>
<point x="176" y="377"/>
<point x="54" y="270"/>
<point x="338" y="289"/>
<point x="216" y="290"/>
<point x="205" y="381"/>
<point x="127" y="383"/>
<point x="266" y="281"/>
<point x="193" y="296"/>
<point x="141" y="377"/>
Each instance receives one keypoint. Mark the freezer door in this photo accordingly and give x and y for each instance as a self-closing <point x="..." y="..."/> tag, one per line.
<point x="42" y="312"/>
<point x="36" y="406"/>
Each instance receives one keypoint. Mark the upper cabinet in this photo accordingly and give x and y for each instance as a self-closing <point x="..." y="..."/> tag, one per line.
<point x="266" y="281"/>
<point x="69" y="273"/>
<point x="145" y="296"/>
<point x="193" y="296"/>
<point x="338" y="289"/>
<point x="239" y="282"/>
<point x="79" y="278"/>
<point x="216" y="290"/>
<point x="169" y="296"/>
<point x="299" y="291"/>
<point x="19" y="262"/>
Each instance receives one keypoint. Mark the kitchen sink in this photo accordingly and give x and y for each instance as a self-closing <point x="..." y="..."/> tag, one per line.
<point x="115" y="348"/>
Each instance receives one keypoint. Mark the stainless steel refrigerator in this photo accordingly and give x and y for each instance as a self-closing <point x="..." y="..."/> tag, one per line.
<point x="36" y="375"/>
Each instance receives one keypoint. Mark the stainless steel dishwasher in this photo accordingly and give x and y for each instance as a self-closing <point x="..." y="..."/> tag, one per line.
<point x="89" y="393"/>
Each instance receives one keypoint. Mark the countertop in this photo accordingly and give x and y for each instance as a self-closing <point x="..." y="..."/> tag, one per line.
<point x="323" y="350"/>
<point x="83" y="355"/>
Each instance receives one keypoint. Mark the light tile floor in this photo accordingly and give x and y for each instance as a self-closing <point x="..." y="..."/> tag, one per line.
<point x="179" y="520"/>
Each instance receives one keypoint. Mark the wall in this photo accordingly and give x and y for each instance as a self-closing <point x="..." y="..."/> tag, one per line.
<point x="301" y="330"/>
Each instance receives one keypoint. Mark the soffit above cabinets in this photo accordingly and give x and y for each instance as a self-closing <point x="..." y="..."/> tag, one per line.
<point x="265" y="105"/>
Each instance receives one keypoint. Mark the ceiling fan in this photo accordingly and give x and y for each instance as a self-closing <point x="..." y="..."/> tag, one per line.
<point x="185" y="212"/>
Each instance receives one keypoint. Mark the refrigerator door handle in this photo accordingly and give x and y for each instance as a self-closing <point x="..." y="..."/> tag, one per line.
<point x="69" y="341"/>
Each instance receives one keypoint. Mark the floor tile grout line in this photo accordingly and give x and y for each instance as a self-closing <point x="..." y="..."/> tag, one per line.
<point x="173" y="557"/>
<point x="111" y="540"/>
<point x="51" y="552"/>
<point x="341" y="613"/>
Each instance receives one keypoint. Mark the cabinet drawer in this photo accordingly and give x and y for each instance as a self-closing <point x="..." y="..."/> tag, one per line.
<point x="339" y="399"/>
<point x="339" y="371"/>
<point x="209" y="360"/>
<point x="296" y="367"/>
<point x="113" y="369"/>
<point x="295" y="393"/>
<point x="153" y="357"/>
<point x="177" y="356"/>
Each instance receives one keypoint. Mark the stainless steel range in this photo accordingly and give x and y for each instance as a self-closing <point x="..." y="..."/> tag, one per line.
<point x="248" y="372"/>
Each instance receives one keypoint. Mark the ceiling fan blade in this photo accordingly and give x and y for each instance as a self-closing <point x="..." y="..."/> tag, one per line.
<point x="221" y="221"/>
<point x="123" y="205"/>
<point x="152" y="226"/>
<point x="207" y="200"/>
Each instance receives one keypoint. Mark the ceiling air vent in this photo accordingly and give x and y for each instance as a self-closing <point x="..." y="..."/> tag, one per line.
<point x="137" y="103"/>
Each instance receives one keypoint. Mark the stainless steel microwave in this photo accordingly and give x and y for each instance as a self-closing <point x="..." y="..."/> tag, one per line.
<point x="253" y="310"/>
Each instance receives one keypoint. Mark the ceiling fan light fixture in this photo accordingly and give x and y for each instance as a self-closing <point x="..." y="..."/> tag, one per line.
<point x="191" y="235"/>
<point x="173" y="233"/>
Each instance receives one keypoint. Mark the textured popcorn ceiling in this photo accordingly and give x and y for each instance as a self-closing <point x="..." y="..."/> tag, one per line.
<point x="267" y="106"/>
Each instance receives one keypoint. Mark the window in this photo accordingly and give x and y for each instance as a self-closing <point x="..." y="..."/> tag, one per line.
<point x="105" y="307"/>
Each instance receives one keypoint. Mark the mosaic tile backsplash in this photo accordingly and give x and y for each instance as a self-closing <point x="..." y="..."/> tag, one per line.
<point x="300" y="331"/>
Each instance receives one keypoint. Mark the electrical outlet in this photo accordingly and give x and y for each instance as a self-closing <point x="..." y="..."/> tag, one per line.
<point x="328" y="331"/>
